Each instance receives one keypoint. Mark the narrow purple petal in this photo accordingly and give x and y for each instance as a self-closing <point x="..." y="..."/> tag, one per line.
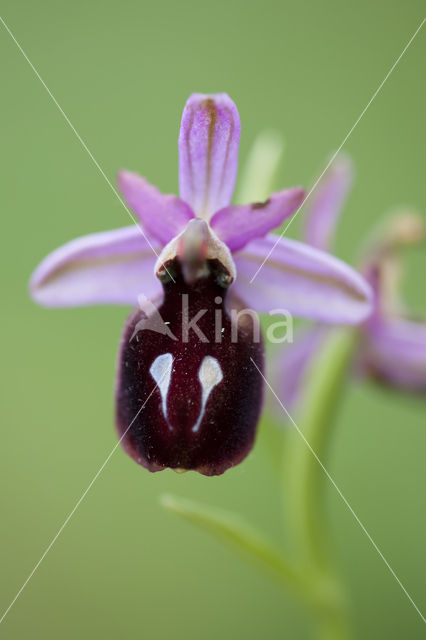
<point x="112" y="267"/>
<point x="208" y="152"/>
<point x="162" y="216"/>
<point x="395" y="352"/>
<point x="302" y="280"/>
<point x="326" y="202"/>
<point x="239" y="224"/>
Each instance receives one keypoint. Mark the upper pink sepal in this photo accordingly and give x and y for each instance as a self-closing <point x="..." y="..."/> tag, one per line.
<point x="208" y="152"/>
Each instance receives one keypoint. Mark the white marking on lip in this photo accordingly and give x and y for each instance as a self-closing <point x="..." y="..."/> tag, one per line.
<point x="209" y="374"/>
<point x="161" y="371"/>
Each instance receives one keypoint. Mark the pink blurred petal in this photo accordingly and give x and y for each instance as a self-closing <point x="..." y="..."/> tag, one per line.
<point x="326" y="203"/>
<point x="112" y="267"/>
<point x="291" y="362"/>
<point x="162" y="216"/>
<point x="395" y="352"/>
<point x="302" y="280"/>
<point x="208" y="152"/>
<point x="237" y="225"/>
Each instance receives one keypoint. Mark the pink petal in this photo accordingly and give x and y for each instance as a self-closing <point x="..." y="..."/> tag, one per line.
<point x="237" y="225"/>
<point x="208" y="152"/>
<point x="291" y="362"/>
<point x="302" y="280"/>
<point x="162" y="216"/>
<point x="395" y="352"/>
<point x="112" y="267"/>
<point x="324" y="206"/>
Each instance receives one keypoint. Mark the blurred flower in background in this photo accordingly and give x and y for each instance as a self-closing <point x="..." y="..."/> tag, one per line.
<point x="391" y="346"/>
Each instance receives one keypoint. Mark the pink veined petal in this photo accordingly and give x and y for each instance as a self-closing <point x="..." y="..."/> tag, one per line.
<point x="162" y="216"/>
<point x="111" y="267"/>
<point x="302" y="280"/>
<point x="326" y="202"/>
<point x="291" y="362"/>
<point x="239" y="224"/>
<point x="395" y="352"/>
<point x="208" y="152"/>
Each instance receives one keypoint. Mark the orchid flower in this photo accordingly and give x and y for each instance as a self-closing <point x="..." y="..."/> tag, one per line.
<point x="188" y="393"/>
<point x="391" y="347"/>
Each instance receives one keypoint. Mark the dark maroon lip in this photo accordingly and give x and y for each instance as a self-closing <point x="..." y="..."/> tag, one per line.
<point x="196" y="396"/>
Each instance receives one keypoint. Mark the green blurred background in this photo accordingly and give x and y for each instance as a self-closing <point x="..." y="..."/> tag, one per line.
<point x="122" y="71"/>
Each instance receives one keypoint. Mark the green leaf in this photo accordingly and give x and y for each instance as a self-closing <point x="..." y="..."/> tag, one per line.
<point x="306" y="456"/>
<point x="235" y="532"/>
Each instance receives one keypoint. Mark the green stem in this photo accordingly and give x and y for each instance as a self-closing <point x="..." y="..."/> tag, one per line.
<point x="307" y="477"/>
<point x="333" y="627"/>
